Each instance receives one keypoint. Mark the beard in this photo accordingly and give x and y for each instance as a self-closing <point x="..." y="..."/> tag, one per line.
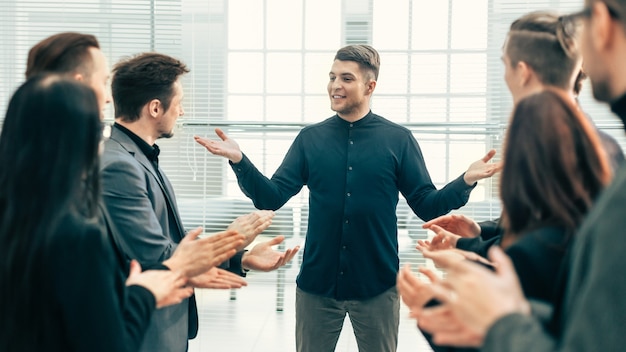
<point x="344" y="109"/>
<point x="169" y="134"/>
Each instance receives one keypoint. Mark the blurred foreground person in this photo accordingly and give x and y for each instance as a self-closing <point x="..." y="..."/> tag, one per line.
<point x="61" y="290"/>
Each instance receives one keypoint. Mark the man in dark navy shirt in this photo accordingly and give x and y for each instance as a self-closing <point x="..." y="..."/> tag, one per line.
<point x="354" y="164"/>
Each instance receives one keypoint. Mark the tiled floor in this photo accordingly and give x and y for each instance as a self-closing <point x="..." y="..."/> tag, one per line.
<point x="250" y="322"/>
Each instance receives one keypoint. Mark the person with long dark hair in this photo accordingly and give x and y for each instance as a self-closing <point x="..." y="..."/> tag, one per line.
<point x="554" y="168"/>
<point x="61" y="290"/>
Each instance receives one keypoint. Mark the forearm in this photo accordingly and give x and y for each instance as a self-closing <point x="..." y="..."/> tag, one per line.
<point x="428" y="202"/>
<point x="476" y="245"/>
<point x="490" y="229"/>
<point x="139" y="306"/>
<point x="264" y="193"/>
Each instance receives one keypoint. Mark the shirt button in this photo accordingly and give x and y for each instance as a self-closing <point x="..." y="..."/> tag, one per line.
<point x="351" y="142"/>
<point x="351" y="125"/>
<point x="348" y="194"/>
<point x="341" y="273"/>
<point x="346" y="221"/>
<point x="344" y="247"/>
<point x="350" y="168"/>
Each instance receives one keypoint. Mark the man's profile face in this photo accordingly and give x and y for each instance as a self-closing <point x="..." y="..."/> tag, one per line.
<point x="99" y="79"/>
<point x="594" y="64"/>
<point x="511" y="76"/>
<point x="168" y="118"/>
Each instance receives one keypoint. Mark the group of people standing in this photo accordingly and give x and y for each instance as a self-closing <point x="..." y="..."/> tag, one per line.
<point x="94" y="253"/>
<point x="95" y="256"/>
<point x="544" y="279"/>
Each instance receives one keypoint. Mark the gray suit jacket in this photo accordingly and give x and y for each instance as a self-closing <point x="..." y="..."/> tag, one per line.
<point x="146" y="216"/>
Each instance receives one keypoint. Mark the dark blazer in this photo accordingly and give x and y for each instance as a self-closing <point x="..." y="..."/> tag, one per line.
<point x="93" y="308"/>
<point x="149" y="228"/>
<point x="538" y="257"/>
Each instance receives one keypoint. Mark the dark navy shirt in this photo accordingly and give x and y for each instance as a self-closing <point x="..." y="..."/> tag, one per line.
<point x="354" y="172"/>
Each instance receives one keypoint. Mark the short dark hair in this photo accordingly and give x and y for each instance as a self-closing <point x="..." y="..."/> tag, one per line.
<point x="554" y="165"/>
<point x="62" y="53"/>
<point x="364" y="55"/>
<point x="540" y="40"/>
<point x="139" y="79"/>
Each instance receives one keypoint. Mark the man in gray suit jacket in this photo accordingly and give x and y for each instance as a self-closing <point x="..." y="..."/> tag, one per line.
<point x="486" y="309"/>
<point x="78" y="55"/>
<point x="147" y="94"/>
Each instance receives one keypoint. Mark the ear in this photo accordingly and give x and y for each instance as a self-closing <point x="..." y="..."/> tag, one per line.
<point x="371" y="85"/>
<point x="601" y="26"/>
<point x="154" y="107"/>
<point x="79" y="77"/>
<point x="524" y="73"/>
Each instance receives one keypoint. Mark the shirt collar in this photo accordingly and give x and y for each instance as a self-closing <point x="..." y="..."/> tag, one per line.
<point x="150" y="151"/>
<point x="361" y="121"/>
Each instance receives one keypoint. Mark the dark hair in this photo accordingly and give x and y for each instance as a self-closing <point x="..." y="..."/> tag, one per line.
<point x="49" y="156"/>
<point x="142" y="78"/>
<point x="578" y="83"/>
<point x="366" y="56"/>
<point x="61" y="53"/>
<point x="540" y="40"/>
<point x="553" y="165"/>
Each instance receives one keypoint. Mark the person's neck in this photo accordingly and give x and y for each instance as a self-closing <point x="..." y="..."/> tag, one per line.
<point x="141" y="128"/>
<point x="528" y="91"/>
<point x="355" y="115"/>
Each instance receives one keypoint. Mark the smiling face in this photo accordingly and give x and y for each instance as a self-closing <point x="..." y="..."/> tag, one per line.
<point x="349" y="90"/>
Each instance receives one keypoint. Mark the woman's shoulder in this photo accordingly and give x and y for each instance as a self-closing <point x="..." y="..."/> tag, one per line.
<point x="543" y="242"/>
<point x="76" y="232"/>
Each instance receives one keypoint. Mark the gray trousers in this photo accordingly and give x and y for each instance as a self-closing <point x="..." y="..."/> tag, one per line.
<point x="375" y="322"/>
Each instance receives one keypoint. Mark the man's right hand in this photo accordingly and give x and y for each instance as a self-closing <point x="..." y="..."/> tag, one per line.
<point x="414" y="292"/>
<point x="168" y="287"/>
<point x="195" y="256"/>
<point x="457" y="224"/>
<point x="443" y="240"/>
<point x="473" y="298"/>
<point x="251" y="225"/>
<point x="217" y="278"/>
